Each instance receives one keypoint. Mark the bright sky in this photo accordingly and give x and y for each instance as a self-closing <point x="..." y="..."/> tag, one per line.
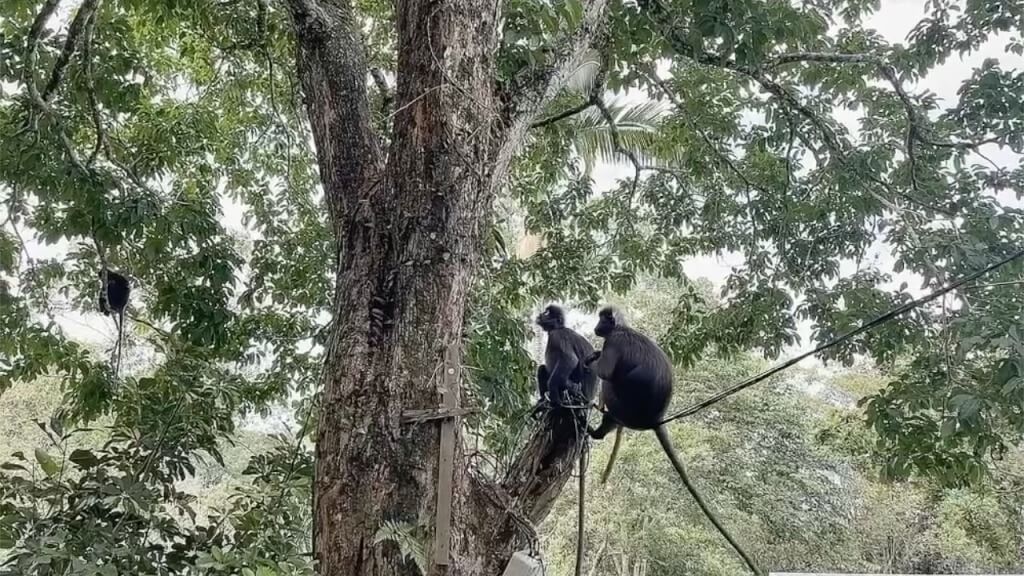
<point x="894" y="21"/>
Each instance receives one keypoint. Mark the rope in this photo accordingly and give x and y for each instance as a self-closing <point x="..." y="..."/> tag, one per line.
<point x="895" y="312"/>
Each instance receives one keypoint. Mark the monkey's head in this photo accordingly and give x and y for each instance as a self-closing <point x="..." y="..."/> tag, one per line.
<point x="608" y="319"/>
<point x="551" y="318"/>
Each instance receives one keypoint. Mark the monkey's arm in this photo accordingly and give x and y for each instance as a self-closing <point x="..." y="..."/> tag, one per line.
<point x="559" y="376"/>
<point x="606" y="362"/>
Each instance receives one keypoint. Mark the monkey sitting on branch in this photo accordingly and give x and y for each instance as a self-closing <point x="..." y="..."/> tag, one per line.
<point x="563" y="379"/>
<point x="636" y="389"/>
<point x="567" y="383"/>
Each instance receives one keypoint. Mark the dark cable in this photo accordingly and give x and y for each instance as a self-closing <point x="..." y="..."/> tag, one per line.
<point x="842" y="338"/>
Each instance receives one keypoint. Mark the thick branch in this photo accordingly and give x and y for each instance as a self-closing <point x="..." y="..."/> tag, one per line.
<point x="541" y="468"/>
<point x="28" y="74"/>
<point x="90" y="88"/>
<point x="78" y="25"/>
<point x="38" y="24"/>
<point x="332" y="68"/>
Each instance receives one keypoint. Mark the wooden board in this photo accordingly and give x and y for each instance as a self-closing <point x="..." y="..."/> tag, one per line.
<point x="446" y="462"/>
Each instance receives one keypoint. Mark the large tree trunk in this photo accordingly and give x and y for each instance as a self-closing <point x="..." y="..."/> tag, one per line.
<point x="408" y="227"/>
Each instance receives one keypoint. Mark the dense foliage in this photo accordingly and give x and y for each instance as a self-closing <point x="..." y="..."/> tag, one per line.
<point x="167" y="140"/>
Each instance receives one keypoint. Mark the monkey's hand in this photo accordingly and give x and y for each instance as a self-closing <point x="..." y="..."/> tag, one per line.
<point x="592" y="358"/>
<point x="541" y="406"/>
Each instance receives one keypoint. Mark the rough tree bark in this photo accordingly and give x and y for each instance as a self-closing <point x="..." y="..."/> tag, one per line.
<point x="408" y="222"/>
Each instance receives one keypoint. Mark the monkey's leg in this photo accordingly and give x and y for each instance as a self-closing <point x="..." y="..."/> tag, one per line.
<point x="607" y="425"/>
<point x="611" y="459"/>
<point x="542" y="381"/>
<point x="666" y="443"/>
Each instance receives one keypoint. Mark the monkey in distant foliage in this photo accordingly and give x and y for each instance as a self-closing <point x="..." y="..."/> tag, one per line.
<point x="114" y="292"/>
<point x="563" y="375"/>
<point x="636" y="388"/>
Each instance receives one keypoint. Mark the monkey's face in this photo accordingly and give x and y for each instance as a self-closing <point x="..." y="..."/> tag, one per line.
<point x="551" y="318"/>
<point x="605" y="323"/>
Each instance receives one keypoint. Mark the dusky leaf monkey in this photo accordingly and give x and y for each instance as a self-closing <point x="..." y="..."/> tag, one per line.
<point x="636" y="388"/>
<point x="114" y="293"/>
<point x="563" y="374"/>
<point x="566" y="382"/>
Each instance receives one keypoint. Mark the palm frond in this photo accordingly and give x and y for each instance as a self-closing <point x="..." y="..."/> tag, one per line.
<point x="582" y="78"/>
<point x="637" y="125"/>
<point x="405" y="535"/>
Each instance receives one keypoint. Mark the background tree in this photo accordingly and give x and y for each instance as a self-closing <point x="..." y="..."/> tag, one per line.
<point x="148" y="135"/>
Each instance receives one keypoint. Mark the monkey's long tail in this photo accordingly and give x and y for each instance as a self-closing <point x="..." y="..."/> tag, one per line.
<point x="611" y="459"/>
<point x="662" y="434"/>
<point x="580" y="511"/>
<point x="120" y="342"/>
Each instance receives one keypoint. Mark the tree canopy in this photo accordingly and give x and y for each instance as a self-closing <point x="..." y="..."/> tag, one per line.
<point x="169" y="140"/>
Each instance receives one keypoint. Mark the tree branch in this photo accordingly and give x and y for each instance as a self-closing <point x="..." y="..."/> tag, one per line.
<point x="711" y="145"/>
<point x="28" y="75"/>
<point x="382" y="86"/>
<point x="563" y="115"/>
<point x="889" y="73"/>
<point x="78" y="25"/>
<point x="332" y="68"/>
<point x="38" y="24"/>
<point x="839" y="148"/>
<point x="90" y="89"/>
<point x="822" y="58"/>
<point x="529" y="100"/>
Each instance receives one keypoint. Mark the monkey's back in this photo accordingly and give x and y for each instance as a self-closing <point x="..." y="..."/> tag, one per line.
<point x="564" y="340"/>
<point x="640" y="388"/>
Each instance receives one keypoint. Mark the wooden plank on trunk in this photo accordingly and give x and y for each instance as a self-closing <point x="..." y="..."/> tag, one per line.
<point x="446" y="463"/>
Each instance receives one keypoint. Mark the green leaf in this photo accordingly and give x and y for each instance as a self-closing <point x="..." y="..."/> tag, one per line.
<point x="47" y="463"/>
<point x="948" y="428"/>
<point x="83" y="458"/>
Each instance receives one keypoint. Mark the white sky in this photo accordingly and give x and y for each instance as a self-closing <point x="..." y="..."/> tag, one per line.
<point x="894" y="21"/>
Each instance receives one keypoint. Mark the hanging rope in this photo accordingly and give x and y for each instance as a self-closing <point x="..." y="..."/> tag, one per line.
<point x="895" y="312"/>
